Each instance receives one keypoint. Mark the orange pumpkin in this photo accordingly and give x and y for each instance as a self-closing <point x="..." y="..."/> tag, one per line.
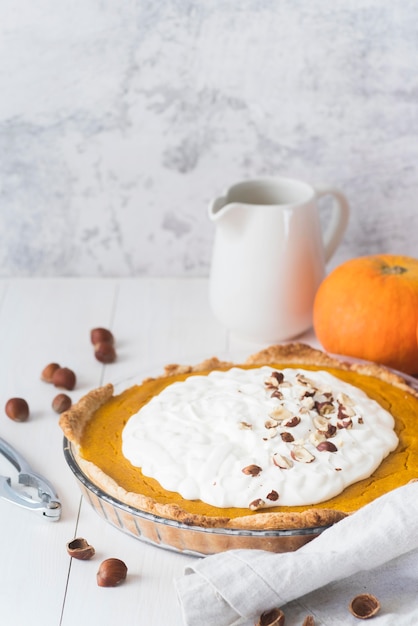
<point x="368" y="308"/>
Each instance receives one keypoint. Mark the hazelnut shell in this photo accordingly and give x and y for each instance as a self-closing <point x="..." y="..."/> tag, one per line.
<point x="274" y="617"/>
<point x="17" y="409"/>
<point x="48" y="372"/>
<point x="101" y="335"/>
<point x="364" y="606"/>
<point x="111" y="573"/>
<point x="64" y="378"/>
<point x="80" y="549"/>
<point x="61" y="403"/>
<point x="105" y="352"/>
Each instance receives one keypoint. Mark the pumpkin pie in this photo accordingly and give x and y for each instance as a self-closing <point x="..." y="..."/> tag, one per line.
<point x="311" y="421"/>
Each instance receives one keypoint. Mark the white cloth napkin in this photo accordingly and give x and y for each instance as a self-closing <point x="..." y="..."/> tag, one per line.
<point x="236" y="586"/>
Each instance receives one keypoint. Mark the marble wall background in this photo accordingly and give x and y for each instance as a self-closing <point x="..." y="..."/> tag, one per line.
<point x="120" y="120"/>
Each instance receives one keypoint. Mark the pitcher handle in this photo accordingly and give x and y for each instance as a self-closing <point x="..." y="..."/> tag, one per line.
<point x="339" y="219"/>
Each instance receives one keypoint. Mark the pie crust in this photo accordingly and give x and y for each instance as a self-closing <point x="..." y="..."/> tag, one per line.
<point x="75" y="421"/>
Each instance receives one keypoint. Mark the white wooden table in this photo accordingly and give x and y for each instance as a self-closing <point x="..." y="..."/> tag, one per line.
<point x="155" y="321"/>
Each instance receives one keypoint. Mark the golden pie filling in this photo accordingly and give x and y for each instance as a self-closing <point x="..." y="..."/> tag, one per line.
<point x="100" y="427"/>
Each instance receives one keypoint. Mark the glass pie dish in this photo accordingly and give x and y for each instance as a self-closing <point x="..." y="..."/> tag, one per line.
<point x="186" y="536"/>
<point x="177" y="536"/>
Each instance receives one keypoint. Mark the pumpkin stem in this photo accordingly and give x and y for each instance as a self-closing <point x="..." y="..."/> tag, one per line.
<point x="395" y="269"/>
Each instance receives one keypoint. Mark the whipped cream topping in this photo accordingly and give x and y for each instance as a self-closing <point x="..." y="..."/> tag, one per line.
<point x="256" y="438"/>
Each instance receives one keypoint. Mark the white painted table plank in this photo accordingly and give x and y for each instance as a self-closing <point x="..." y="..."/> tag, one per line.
<point x="42" y="321"/>
<point x="156" y="322"/>
<point x="160" y="321"/>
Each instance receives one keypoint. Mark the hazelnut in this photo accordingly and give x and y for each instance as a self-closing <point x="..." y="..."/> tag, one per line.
<point x="326" y="446"/>
<point x="292" y="422"/>
<point x="301" y="454"/>
<point x="309" y="621"/>
<point x="256" y="504"/>
<point x="347" y="422"/>
<point x="287" y="437"/>
<point x="101" y="335"/>
<point x="61" y="403"/>
<point x="17" y="409"/>
<point x="282" y="461"/>
<point x="64" y="377"/>
<point x="364" y="606"/>
<point x="316" y="437"/>
<point x="80" y="549"/>
<point x="324" y="408"/>
<point x="274" y="617"/>
<point x="105" y="352"/>
<point x="280" y="413"/>
<point x="273" y="495"/>
<point x="251" y="470"/>
<point x="48" y="372"/>
<point x="111" y="573"/>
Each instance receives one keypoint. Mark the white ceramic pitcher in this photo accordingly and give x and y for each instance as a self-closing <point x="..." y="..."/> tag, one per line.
<point x="269" y="255"/>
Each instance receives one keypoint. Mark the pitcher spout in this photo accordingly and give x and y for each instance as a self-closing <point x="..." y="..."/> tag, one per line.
<point x="218" y="208"/>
